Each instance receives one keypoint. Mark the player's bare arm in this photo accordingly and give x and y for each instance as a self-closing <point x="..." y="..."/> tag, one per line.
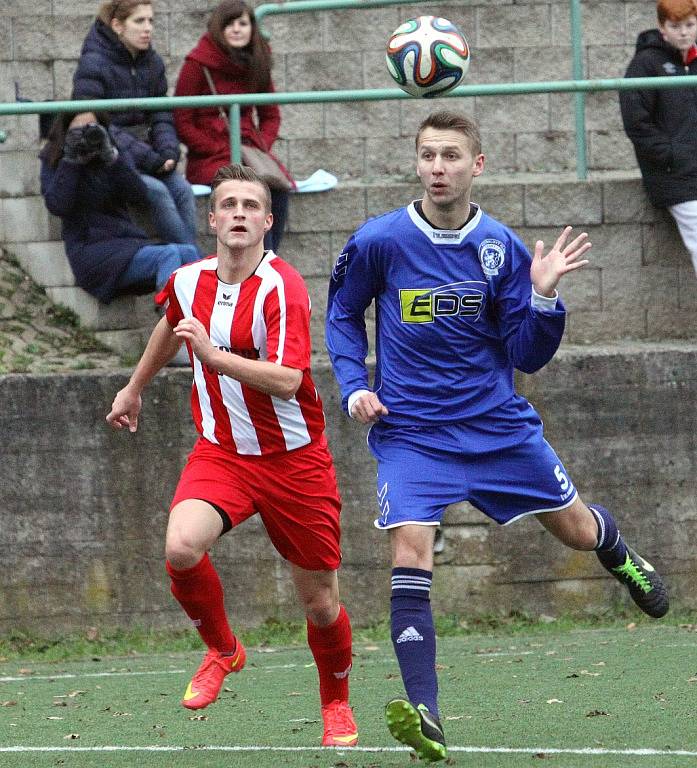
<point x="160" y="349"/>
<point x="368" y="409"/>
<point x="547" y="271"/>
<point x="275" y="380"/>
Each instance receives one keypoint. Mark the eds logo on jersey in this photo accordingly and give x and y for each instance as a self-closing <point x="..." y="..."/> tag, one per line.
<point x="424" y="305"/>
<point x="492" y="254"/>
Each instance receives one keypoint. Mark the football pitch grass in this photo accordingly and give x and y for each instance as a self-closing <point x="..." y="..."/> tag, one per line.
<point x="597" y="698"/>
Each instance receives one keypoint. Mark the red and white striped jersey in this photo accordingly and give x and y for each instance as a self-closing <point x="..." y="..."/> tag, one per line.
<point x="265" y="317"/>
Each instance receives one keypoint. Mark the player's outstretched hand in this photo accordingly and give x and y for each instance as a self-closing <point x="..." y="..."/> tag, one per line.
<point x="192" y="330"/>
<point x="125" y="409"/>
<point x="368" y="409"/>
<point x="547" y="271"/>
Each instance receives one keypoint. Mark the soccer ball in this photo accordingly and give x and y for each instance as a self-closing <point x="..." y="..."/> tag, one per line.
<point x="427" y="56"/>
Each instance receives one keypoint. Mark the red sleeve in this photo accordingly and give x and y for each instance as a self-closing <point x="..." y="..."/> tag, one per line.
<point x="168" y="296"/>
<point x="191" y="82"/>
<point x="287" y="316"/>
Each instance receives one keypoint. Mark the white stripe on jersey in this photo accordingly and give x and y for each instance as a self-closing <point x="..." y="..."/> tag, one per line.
<point x="289" y="415"/>
<point x="185" y="288"/>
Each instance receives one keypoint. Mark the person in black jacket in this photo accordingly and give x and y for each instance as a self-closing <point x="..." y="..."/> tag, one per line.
<point x="117" y="61"/>
<point x="662" y="124"/>
<point x="86" y="182"/>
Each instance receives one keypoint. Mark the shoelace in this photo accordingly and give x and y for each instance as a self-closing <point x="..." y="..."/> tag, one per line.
<point x="340" y="718"/>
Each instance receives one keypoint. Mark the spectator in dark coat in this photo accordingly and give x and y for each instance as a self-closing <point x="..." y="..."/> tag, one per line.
<point x="89" y="186"/>
<point x="117" y="61"/>
<point x="238" y="60"/>
<point x="662" y="124"/>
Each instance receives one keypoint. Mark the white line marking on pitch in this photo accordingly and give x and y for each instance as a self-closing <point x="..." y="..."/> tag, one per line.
<point x="478" y="750"/>
<point x="71" y="676"/>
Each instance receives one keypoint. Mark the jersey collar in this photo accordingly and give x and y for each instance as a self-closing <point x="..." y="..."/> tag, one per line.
<point x="444" y="236"/>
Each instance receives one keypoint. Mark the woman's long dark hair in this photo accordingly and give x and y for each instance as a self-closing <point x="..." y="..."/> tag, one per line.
<point x="256" y="55"/>
<point x="53" y="148"/>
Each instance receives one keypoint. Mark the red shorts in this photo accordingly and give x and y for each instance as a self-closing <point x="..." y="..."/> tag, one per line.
<point x="295" y="494"/>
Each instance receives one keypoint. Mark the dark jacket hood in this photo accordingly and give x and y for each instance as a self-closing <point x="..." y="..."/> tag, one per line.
<point x="652" y="38"/>
<point x="103" y="40"/>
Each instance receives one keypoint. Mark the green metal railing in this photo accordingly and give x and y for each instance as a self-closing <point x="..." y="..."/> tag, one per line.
<point x="234" y="102"/>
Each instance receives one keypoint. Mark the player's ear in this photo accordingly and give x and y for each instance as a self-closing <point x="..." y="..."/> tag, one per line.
<point x="211" y="220"/>
<point x="479" y="165"/>
<point x="268" y="222"/>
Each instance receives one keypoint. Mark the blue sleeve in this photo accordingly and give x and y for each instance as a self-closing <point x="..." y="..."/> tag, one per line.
<point x="531" y="337"/>
<point x="163" y="134"/>
<point x="353" y="285"/>
<point x="60" y="186"/>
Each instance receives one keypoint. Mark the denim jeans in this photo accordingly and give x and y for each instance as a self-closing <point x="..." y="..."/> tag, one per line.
<point x="279" y="208"/>
<point x="157" y="262"/>
<point x="172" y="207"/>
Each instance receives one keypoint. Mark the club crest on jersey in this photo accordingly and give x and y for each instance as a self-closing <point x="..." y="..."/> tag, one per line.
<point x="424" y="305"/>
<point x="492" y="254"/>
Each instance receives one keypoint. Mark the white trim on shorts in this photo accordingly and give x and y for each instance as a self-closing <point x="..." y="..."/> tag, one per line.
<point x="403" y="522"/>
<point x="541" y="511"/>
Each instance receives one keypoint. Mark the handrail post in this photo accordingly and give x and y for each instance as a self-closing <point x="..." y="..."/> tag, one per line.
<point x="580" y="97"/>
<point x="235" y="133"/>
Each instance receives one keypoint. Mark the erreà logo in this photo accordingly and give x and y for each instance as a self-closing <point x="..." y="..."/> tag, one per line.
<point x="226" y="300"/>
<point x="424" y="305"/>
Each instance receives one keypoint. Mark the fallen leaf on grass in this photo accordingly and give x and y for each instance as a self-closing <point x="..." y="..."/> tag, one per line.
<point x="294" y="693"/>
<point x="8" y="703"/>
<point x="692" y="679"/>
<point x="631" y="626"/>
<point x="596" y="713"/>
<point x="554" y="701"/>
<point x="54" y="718"/>
<point x="72" y="736"/>
<point x="199" y="717"/>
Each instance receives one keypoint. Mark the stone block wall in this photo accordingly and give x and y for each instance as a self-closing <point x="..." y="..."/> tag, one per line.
<point x="40" y="42"/>
<point x="83" y="518"/>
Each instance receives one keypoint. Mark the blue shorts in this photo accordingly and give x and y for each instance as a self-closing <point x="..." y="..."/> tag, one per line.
<point x="423" y="470"/>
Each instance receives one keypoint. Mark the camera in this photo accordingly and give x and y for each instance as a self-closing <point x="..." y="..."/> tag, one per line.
<point x="89" y="142"/>
<point x="93" y="137"/>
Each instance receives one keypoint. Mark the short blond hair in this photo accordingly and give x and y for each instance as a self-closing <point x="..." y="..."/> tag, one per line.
<point x="239" y="172"/>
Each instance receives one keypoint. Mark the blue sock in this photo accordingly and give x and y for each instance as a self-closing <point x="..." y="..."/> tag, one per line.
<point x="611" y="549"/>
<point x="413" y="635"/>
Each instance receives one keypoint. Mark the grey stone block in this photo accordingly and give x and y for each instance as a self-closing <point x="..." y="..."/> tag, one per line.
<point x="603" y="112"/>
<point x="389" y="157"/>
<point x="34" y="80"/>
<point x="607" y="61"/>
<point x="27" y="220"/>
<point x="329" y="71"/>
<point x="625" y="201"/>
<point x="5" y="38"/>
<point x="19" y="8"/>
<point x="531" y="23"/>
<point x="575" y="204"/>
<point x="515" y="113"/>
<point x="303" y="121"/>
<point x="687" y="288"/>
<point x="19" y="175"/>
<point x="128" y="343"/>
<point x="502" y="201"/>
<point x="39" y="37"/>
<point x="319" y="213"/>
<point x="345" y="158"/>
<point x="45" y="262"/>
<point x="184" y="31"/>
<point x="552" y="151"/>
<point x="372" y="26"/>
<point x="124" y="313"/>
<point x="663" y="245"/>
<point x="293" y="33"/>
<point x="368" y="118"/>
<point x="63" y="78"/>
<point x="491" y="65"/>
<point x="581" y="290"/>
<point x="603" y="23"/>
<point x="584" y="327"/>
<point x="381" y="199"/>
<point x="640" y="16"/>
<point x="309" y="253"/>
<point x="535" y="64"/>
<point x="663" y="322"/>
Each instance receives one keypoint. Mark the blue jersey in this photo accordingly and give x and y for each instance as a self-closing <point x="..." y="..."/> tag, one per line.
<point x="454" y="317"/>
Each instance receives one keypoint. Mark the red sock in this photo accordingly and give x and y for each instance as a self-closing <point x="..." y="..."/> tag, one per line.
<point x="200" y="593"/>
<point x="331" y="647"/>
